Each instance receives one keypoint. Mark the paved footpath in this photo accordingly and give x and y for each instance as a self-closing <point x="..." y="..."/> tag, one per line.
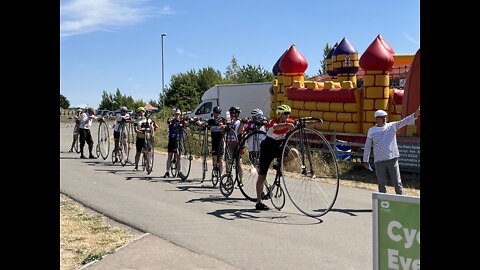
<point x="192" y="226"/>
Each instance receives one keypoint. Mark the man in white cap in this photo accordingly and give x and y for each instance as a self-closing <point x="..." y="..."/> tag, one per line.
<point x="383" y="138"/>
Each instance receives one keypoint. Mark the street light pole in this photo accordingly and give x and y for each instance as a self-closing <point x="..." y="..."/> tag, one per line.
<point x="163" y="84"/>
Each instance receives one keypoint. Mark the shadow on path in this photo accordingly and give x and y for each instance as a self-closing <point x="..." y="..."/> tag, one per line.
<point x="351" y="212"/>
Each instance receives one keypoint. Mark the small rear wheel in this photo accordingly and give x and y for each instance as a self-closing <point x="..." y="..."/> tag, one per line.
<point x="277" y="196"/>
<point x="215" y="175"/>
<point x="227" y="185"/>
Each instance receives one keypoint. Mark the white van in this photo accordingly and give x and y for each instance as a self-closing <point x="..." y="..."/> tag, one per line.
<point x="247" y="96"/>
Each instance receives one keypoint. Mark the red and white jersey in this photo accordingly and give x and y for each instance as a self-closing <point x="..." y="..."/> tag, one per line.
<point x="278" y="134"/>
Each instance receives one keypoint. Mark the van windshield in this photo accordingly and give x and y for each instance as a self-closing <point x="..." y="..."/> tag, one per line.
<point x="205" y="108"/>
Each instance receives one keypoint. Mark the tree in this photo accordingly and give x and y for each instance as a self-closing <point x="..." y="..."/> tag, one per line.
<point x="208" y="77"/>
<point x="137" y="103"/>
<point x="64" y="103"/>
<point x="323" y="63"/>
<point x="186" y="89"/>
<point x="114" y="102"/>
<point x="231" y="74"/>
<point x="182" y="90"/>
<point x="107" y="102"/>
<point x="251" y="74"/>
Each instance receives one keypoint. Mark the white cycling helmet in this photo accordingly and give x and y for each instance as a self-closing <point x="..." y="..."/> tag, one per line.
<point x="79" y="110"/>
<point x="380" y="113"/>
<point x="176" y="110"/>
<point x="257" y="113"/>
<point x="123" y="108"/>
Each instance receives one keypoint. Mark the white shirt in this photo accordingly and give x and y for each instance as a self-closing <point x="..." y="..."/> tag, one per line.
<point x="119" y="119"/>
<point x="384" y="140"/>
<point x="139" y="123"/>
<point x="235" y="126"/>
<point x="85" y="121"/>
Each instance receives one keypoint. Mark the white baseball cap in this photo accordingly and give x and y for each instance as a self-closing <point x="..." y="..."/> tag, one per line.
<point x="380" y="113"/>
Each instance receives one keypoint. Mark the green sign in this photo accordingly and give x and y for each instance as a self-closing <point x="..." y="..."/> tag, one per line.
<point x="396" y="232"/>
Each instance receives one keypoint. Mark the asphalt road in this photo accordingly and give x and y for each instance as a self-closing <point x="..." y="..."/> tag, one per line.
<point x="198" y="218"/>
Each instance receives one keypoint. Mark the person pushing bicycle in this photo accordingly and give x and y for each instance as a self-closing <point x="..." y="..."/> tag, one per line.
<point x="77" y="115"/>
<point x="140" y="125"/>
<point x="237" y="126"/>
<point x="271" y="148"/>
<point x="123" y="116"/>
<point x="216" y="124"/>
<point x="173" y="125"/>
<point x="255" y="122"/>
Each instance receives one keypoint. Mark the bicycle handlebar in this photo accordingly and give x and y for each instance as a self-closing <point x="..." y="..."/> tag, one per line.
<point x="307" y="120"/>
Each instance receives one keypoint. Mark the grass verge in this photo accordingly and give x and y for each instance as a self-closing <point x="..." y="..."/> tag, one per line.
<point x="86" y="236"/>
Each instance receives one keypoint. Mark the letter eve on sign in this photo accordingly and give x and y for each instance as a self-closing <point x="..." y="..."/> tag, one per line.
<point x="405" y="263"/>
<point x="409" y="234"/>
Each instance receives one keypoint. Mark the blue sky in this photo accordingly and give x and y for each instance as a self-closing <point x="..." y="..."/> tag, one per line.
<point x="110" y="44"/>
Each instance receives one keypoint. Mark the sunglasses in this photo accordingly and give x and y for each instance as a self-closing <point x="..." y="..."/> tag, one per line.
<point x="286" y="113"/>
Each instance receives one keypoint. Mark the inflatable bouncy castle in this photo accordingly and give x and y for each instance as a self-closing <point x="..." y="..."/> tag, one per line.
<point x="338" y="100"/>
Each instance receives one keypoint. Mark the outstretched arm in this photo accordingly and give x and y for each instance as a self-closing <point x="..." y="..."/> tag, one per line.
<point x="409" y="120"/>
<point x="290" y="126"/>
<point x="417" y="112"/>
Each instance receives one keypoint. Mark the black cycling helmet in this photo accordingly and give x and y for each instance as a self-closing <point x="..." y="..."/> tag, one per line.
<point x="217" y="109"/>
<point x="235" y="109"/>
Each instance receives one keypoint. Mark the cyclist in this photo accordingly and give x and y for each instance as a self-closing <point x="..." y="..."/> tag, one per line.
<point x="217" y="126"/>
<point x="139" y="127"/>
<point x="77" y="123"/>
<point x="123" y="116"/>
<point x="84" y="130"/>
<point x="271" y="147"/>
<point x="237" y="126"/>
<point x="173" y="125"/>
<point x="256" y="122"/>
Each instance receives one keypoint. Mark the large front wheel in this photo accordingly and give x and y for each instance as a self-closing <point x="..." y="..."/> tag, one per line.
<point x="185" y="153"/>
<point x="149" y="153"/>
<point x="310" y="172"/>
<point x="103" y="143"/>
<point x="123" y="146"/>
<point x="204" y="156"/>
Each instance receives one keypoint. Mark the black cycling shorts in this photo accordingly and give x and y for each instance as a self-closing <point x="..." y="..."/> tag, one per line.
<point x="269" y="150"/>
<point x="217" y="144"/>
<point x="172" y="145"/>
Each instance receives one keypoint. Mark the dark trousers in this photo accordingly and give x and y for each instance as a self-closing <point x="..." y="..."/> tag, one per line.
<point x="85" y="136"/>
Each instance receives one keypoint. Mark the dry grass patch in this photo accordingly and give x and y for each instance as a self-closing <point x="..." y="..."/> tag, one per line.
<point x="86" y="236"/>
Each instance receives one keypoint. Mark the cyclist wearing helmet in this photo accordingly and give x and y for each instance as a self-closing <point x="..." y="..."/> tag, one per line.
<point x="75" y="133"/>
<point x="139" y="127"/>
<point x="173" y="124"/>
<point x="256" y="122"/>
<point x="237" y="126"/>
<point x="271" y="147"/>
<point x="123" y="116"/>
<point x="217" y="125"/>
